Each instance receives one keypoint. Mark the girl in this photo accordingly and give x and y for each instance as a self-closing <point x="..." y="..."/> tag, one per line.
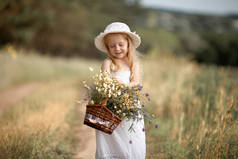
<point x="120" y="44"/>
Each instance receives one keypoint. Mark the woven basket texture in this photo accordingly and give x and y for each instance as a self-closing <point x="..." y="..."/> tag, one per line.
<point x="98" y="116"/>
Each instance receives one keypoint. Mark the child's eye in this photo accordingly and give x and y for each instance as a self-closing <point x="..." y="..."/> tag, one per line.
<point x="112" y="46"/>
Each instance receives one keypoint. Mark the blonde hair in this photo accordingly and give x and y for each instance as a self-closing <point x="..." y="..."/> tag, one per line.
<point x="132" y="55"/>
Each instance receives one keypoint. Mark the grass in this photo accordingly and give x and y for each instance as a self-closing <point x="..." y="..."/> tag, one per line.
<point x="41" y="124"/>
<point x="37" y="126"/>
<point x="31" y="67"/>
<point x="197" y="110"/>
<point x="196" y="106"/>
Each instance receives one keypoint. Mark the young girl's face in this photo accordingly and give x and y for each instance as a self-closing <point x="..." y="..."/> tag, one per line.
<point x="117" y="45"/>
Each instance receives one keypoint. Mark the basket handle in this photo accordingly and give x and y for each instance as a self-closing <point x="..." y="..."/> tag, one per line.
<point x="105" y="101"/>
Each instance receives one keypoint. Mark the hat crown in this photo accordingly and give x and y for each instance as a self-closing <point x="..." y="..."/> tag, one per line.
<point x="117" y="26"/>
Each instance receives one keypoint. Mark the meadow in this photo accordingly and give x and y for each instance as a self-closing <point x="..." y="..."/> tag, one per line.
<point x="40" y="124"/>
<point x="197" y="110"/>
<point x="196" y="107"/>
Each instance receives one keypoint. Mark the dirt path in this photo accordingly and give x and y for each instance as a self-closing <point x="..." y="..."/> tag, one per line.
<point x="12" y="96"/>
<point x="87" y="144"/>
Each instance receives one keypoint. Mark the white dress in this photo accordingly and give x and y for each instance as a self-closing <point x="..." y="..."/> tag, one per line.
<point x="122" y="144"/>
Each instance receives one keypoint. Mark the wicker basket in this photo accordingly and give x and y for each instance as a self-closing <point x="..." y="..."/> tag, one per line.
<point x="100" y="117"/>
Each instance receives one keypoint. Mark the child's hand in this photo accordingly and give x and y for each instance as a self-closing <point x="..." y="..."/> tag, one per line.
<point x="132" y="84"/>
<point x="129" y="85"/>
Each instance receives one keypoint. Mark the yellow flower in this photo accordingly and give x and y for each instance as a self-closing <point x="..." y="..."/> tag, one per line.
<point x="104" y="85"/>
<point x="12" y="51"/>
<point x="115" y="95"/>
<point x="119" y="93"/>
<point x="91" y="69"/>
<point x="78" y="101"/>
<point x="91" y="102"/>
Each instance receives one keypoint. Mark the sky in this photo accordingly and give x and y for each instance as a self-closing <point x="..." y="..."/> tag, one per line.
<point x="220" y="7"/>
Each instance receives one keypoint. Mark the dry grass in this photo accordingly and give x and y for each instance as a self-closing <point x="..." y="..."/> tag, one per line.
<point x="31" y="67"/>
<point x="197" y="110"/>
<point x="39" y="126"/>
<point x="196" y="107"/>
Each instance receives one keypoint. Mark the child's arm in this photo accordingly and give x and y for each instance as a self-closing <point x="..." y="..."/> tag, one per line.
<point x="136" y="79"/>
<point x="106" y="65"/>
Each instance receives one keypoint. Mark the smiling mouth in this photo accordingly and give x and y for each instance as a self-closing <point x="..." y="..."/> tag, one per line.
<point x="117" y="55"/>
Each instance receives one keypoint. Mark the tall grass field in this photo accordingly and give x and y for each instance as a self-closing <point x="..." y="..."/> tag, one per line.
<point x="196" y="107"/>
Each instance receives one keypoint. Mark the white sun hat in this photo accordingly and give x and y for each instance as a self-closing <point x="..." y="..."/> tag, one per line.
<point x="116" y="27"/>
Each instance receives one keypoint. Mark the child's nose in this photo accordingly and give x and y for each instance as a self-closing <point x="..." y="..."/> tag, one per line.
<point x="117" y="47"/>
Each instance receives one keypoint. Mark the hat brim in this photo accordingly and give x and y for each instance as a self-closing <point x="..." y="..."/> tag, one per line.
<point x="99" y="40"/>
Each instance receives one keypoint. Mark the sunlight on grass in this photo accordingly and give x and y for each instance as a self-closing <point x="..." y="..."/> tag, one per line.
<point x="39" y="126"/>
<point x="197" y="110"/>
<point x="196" y="105"/>
<point x="32" y="67"/>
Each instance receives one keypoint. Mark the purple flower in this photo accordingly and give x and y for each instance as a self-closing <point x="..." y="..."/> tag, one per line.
<point x="130" y="142"/>
<point x="145" y="115"/>
<point x="143" y="129"/>
<point x="140" y="88"/>
<point x="147" y="95"/>
<point x="156" y="126"/>
<point x="143" y="105"/>
<point x="150" y="122"/>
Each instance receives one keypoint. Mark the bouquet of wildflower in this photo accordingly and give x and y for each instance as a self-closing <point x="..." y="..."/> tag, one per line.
<point x="123" y="101"/>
